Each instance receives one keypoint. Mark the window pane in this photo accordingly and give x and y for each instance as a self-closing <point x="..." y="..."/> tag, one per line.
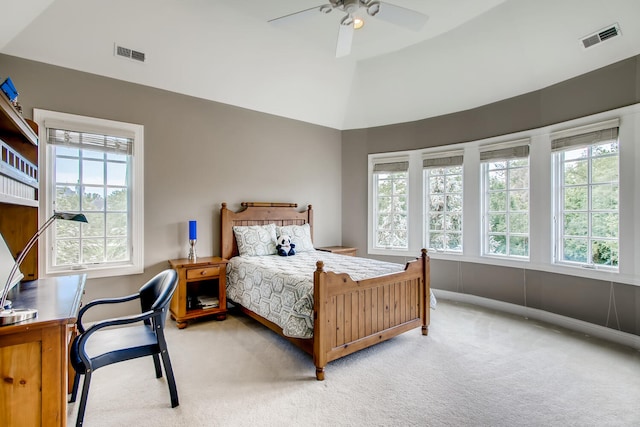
<point x="117" y="250"/>
<point x="576" y="224"/>
<point x="95" y="225"/>
<point x="605" y="197"/>
<point x="498" y="202"/>
<point x="575" y="172"/>
<point x="497" y="223"/>
<point x="497" y="180"/>
<point x="67" y="198"/>
<point x="117" y="199"/>
<point x="498" y="244"/>
<point x="519" y="246"/>
<point x="67" y="252"/>
<point x="454" y="183"/>
<point x="93" y="250"/>
<point x="519" y="200"/>
<point x="437" y="204"/>
<point x="604" y="224"/>
<point x="454" y="222"/>
<point x="117" y="224"/>
<point x="576" y="198"/>
<point x="454" y="242"/>
<point x="93" y="199"/>
<point x="605" y="169"/>
<point x="436" y="222"/>
<point x="92" y="172"/>
<point x="604" y="252"/>
<point x="519" y="178"/>
<point x="67" y="170"/>
<point x="519" y="223"/>
<point x="117" y="174"/>
<point x="576" y="250"/>
<point x="436" y="240"/>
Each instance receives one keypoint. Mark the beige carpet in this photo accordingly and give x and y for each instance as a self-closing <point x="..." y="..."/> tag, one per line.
<point x="476" y="368"/>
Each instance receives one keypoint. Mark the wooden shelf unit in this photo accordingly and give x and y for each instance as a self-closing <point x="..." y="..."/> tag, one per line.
<point x="204" y="277"/>
<point x="18" y="183"/>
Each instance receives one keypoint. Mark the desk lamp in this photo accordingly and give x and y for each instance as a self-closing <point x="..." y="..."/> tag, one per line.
<point x="9" y="315"/>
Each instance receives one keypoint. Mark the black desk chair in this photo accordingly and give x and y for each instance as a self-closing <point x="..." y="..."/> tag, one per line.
<point x="96" y="347"/>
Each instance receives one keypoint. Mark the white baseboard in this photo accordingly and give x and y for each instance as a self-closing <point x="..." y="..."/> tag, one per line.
<point x="586" y="328"/>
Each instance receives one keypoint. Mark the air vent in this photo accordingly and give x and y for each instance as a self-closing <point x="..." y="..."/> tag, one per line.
<point x="600" y="36"/>
<point x="125" y="52"/>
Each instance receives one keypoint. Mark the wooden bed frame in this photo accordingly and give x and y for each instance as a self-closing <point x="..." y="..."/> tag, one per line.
<point x="348" y="315"/>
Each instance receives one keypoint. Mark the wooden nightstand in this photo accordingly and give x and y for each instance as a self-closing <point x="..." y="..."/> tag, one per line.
<point x="344" y="250"/>
<point x="201" y="289"/>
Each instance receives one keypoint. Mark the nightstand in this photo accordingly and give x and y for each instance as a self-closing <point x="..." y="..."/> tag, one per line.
<point x="344" y="250"/>
<point x="201" y="289"/>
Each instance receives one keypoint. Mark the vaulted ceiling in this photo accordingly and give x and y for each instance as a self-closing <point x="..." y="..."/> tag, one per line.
<point x="469" y="53"/>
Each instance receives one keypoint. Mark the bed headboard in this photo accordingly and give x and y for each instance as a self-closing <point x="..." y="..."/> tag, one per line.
<point x="258" y="213"/>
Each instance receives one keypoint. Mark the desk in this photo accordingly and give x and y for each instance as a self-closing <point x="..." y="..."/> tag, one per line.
<point x="34" y="353"/>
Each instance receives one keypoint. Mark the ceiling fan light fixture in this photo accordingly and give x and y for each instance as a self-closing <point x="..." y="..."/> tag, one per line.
<point x="373" y="8"/>
<point x="358" y="23"/>
<point x="347" y="21"/>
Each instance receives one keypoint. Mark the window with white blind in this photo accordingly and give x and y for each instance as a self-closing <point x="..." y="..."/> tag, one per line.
<point x="93" y="167"/>
<point x="586" y="164"/>
<point x="505" y="198"/>
<point x="391" y="195"/>
<point x="443" y="201"/>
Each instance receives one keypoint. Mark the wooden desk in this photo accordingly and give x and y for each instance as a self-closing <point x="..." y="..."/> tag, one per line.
<point x="34" y="353"/>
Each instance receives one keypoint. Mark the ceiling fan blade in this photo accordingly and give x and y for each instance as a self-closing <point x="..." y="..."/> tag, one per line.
<point x="345" y="39"/>
<point x="401" y="16"/>
<point x="295" y="16"/>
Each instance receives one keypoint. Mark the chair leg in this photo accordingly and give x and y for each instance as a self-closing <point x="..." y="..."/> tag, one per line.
<point x="83" y="398"/>
<point x="156" y="363"/>
<point x="173" y="390"/>
<point x="74" y="388"/>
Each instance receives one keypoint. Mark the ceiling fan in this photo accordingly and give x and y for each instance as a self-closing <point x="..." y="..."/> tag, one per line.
<point x="354" y="10"/>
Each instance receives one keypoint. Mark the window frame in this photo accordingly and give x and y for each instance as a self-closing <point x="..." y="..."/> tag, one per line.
<point x="45" y="119"/>
<point x="446" y="161"/>
<point x="504" y="152"/>
<point x="558" y="159"/>
<point x="373" y="187"/>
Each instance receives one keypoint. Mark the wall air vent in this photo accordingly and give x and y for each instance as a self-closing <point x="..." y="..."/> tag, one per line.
<point x="600" y="36"/>
<point x="125" y="52"/>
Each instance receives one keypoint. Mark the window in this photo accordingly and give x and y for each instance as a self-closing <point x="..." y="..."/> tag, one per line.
<point x="506" y="199"/>
<point x="93" y="167"/>
<point x="587" y="217"/>
<point x="442" y="176"/>
<point x="390" y="192"/>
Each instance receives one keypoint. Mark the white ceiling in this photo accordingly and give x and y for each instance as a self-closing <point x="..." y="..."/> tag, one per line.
<point x="470" y="53"/>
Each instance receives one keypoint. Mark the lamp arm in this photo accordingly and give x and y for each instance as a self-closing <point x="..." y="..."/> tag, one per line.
<point x="21" y="258"/>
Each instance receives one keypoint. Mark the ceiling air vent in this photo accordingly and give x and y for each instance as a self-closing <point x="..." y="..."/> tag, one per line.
<point x="125" y="52"/>
<point x="601" y="35"/>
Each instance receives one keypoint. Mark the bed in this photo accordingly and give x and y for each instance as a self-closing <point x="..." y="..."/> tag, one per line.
<point x="342" y="314"/>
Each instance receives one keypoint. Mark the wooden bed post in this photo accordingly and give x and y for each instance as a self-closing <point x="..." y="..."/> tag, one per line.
<point x="319" y="303"/>
<point x="426" y="291"/>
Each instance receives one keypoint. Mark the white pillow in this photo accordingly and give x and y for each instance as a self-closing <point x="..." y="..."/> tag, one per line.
<point x="256" y="240"/>
<point x="300" y="235"/>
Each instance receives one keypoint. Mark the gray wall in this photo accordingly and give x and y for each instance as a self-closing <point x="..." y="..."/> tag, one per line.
<point x="608" y="88"/>
<point x="198" y="154"/>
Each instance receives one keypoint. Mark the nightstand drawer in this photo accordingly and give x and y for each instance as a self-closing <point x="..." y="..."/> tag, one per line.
<point x="201" y="273"/>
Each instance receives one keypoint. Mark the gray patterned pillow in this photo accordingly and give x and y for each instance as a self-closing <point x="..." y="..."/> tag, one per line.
<point x="256" y="240"/>
<point x="300" y="235"/>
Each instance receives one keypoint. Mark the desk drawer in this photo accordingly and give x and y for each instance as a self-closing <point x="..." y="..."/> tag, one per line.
<point x="200" y="273"/>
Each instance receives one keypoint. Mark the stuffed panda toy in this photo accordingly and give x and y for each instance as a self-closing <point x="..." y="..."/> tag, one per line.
<point x="284" y="246"/>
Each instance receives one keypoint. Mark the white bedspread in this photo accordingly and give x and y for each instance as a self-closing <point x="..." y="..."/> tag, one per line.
<point x="280" y="289"/>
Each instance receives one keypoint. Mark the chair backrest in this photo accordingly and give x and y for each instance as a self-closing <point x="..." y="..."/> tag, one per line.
<point x="157" y="292"/>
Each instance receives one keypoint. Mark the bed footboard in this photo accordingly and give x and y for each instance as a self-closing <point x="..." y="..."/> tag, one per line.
<point x="352" y="315"/>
